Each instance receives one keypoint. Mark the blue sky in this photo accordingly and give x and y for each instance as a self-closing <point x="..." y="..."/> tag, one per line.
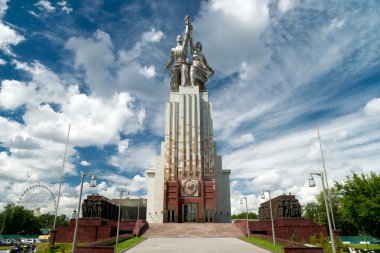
<point x="282" y="68"/>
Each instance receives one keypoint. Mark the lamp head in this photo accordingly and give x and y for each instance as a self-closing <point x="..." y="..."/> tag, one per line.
<point x="241" y="201"/>
<point x="311" y="181"/>
<point x="262" y="195"/>
<point x="74" y="214"/>
<point x="93" y="181"/>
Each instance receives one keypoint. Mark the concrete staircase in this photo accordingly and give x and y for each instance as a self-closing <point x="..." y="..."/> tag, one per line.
<point x="203" y="230"/>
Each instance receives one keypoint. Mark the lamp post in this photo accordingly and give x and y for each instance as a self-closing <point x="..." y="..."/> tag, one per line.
<point x="325" y="179"/>
<point x="246" y="208"/>
<point x="61" y="180"/>
<point x="312" y="184"/>
<point x="118" y="220"/>
<point x="271" y="213"/>
<point x="93" y="184"/>
<point x="5" y="216"/>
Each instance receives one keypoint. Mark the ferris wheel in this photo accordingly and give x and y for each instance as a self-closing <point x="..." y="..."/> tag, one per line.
<point x="38" y="198"/>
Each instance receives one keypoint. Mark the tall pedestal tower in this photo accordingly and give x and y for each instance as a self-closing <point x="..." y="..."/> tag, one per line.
<point x="188" y="183"/>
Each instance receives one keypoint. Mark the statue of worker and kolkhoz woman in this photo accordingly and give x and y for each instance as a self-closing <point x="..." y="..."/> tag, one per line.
<point x="184" y="73"/>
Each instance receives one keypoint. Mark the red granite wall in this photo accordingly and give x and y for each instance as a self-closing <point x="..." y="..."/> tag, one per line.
<point x="174" y="201"/>
<point x="91" y="230"/>
<point x="97" y="249"/>
<point x="302" y="250"/>
<point x="286" y="228"/>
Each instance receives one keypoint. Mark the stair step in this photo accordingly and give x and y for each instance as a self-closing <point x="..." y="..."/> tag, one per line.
<point x="207" y="230"/>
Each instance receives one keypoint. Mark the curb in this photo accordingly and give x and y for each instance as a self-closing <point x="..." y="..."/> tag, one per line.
<point x="257" y="246"/>
<point x="144" y="238"/>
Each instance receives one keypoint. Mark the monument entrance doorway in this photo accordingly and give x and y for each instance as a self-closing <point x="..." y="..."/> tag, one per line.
<point x="189" y="213"/>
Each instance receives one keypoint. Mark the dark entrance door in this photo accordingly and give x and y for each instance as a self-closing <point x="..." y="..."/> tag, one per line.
<point x="189" y="212"/>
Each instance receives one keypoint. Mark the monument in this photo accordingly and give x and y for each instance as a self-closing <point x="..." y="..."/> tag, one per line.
<point x="287" y="220"/>
<point x="284" y="206"/>
<point x="188" y="183"/>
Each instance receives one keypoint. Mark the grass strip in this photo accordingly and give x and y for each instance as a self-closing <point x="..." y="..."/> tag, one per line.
<point x="364" y="246"/>
<point x="263" y="244"/>
<point x="129" y="243"/>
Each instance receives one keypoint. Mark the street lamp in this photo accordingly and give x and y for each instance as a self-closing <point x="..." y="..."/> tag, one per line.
<point x="118" y="220"/>
<point x="92" y="184"/>
<point x="271" y="213"/>
<point x="312" y="184"/>
<point x="5" y="216"/>
<point x="246" y="208"/>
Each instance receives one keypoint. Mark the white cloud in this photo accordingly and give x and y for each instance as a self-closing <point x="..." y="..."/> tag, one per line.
<point x="134" y="157"/>
<point x="239" y="25"/>
<point x="85" y="163"/>
<point x="243" y="140"/>
<point x="127" y="72"/>
<point x="286" y="5"/>
<point x="14" y="93"/>
<point x="2" y="62"/>
<point x="36" y="146"/>
<point x="8" y="38"/>
<point x="97" y="69"/>
<point x="64" y="7"/>
<point x="152" y="36"/>
<point x="122" y="146"/>
<point x="147" y="71"/>
<point x="137" y="183"/>
<point x="372" y="107"/>
<point x="283" y="163"/>
<point x="334" y="25"/>
<point x="3" y="7"/>
<point x="45" y="5"/>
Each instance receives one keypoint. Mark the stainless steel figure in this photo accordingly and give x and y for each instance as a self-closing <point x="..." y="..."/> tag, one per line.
<point x="180" y="71"/>
<point x="199" y="70"/>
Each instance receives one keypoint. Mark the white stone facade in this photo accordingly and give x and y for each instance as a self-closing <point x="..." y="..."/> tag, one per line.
<point x="188" y="151"/>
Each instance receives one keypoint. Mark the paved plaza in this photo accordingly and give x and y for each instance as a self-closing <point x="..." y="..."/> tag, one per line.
<point x="199" y="245"/>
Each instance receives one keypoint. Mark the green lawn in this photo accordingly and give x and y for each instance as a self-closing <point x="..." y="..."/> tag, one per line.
<point x="263" y="243"/>
<point x="58" y="247"/>
<point x="5" y="247"/>
<point x="363" y="246"/>
<point x="129" y="243"/>
<point x="66" y="247"/>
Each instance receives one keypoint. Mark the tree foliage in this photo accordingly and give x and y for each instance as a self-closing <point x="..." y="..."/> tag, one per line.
<point x="355" y="203"/>
<point x="18" y="220"/>
<point x="244" y="215"/>
<point x="360" y="200"/>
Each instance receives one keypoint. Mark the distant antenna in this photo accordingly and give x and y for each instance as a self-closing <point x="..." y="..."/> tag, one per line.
<point x="325" y="178"/>
<point x="60" y="184"/>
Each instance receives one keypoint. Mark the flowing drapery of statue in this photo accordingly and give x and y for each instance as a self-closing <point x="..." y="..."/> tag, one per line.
<point x="184" y="72"/>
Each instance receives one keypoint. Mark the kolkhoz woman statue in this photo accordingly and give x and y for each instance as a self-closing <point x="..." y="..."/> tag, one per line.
<point x="199" y="69"/>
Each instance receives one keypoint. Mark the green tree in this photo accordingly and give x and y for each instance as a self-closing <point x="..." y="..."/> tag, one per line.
<point x="360" y="200"/>
<point x="18" y="220"/>
<point x="244" y="215"/>
<point x="316" y="210"/>
<point x="47" y="220"/>
<point x="312" y="211"/>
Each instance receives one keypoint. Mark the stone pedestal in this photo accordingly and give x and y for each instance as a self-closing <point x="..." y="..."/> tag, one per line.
<point x="92" y="229"/>
<point x="188" y="183"/>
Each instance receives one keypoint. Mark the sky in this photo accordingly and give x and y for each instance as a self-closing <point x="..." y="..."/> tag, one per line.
<point x="282" y="68"/>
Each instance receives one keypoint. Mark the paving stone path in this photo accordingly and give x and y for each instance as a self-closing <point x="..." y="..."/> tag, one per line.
<point x="198" y="245"/>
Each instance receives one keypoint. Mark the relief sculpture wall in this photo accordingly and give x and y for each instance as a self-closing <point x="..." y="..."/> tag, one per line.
<point x="284" y="206"/>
